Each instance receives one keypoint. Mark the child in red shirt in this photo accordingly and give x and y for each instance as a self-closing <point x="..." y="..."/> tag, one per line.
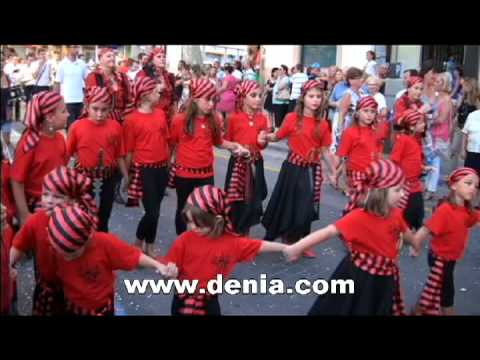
<point x="359" y="147"/>
<point x="115" y="82"/>
<point x="193" y="135"/>
<point x="408" y="154"/>
<point x="449" y="227"/>
<point x="208" y="249"/>
<point x="97" y="141"/>
<point x="146" y="137"/>
<point x="40" y="150"/>
<point x="8" y="283"/>
<point x="295" y="201"/>
<point x="372" y="233"/>
<point x="86" y="261"/>
<point x="245" y="183"/>
<point x="61" y="186"/>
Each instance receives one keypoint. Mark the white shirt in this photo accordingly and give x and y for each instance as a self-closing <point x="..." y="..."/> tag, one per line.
<point x="371" y="68"/>
<point x="380" y="99"/>
<point x="26" y="75"/>
<point x="71" y="76"/>
<point x="44" y="75"/>
<point x="297" y="79"/>
<point x="238" y="74"/>
<point x="472" y="130"/>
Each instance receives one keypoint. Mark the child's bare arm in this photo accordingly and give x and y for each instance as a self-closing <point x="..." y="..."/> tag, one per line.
<point x="169" y="271"/>
<point x="269" y="246"/>
<point x="292" y="252"/>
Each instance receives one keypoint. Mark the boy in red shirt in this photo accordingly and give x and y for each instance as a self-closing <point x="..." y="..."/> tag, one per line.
<point x="208" y="249"/>
<point x="295" y="201"/>
<point x="87" y="260"/>
<point x="61" y="186"/>
<point x="97" y="141"/>
<point x="245" y="183"/>
<point x="449" y="227"/>
<point x="372" y="232"/>
<point x="359" y="147"/>
<point x="40" y="150"/>
<point x="146" y="137"/>
<point x="193" y="135"/>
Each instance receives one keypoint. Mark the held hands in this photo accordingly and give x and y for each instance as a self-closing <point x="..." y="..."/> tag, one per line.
<point x="262" y="138"/>
<point x="239" y="150"/>
<point x="169" y="271"/>
<point x="291" y="253"/>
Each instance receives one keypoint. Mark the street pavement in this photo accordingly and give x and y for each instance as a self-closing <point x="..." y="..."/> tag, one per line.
<point x="414" y="271"/>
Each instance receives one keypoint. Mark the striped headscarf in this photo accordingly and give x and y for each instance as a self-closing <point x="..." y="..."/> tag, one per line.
<point x="69" y="228"/>
<point x="383" y="174"/>
<point x="213" y="200"/>
<point x="412" y="80"/>
<point x="142" y="86"/>
<point x="410" y="117"/>
<point x="243" y="89"/>
<point x="310" y="84"/>
<point x="367" y="102"/>
<point x="202" y="88"/>
<point x="69" y="185"/>
<point x="41" y="105"/>
<point x="96" y="94"/>
<point x="460" y="173"/>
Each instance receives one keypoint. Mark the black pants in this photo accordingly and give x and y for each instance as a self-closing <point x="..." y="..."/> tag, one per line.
<point x="154" y="185"/>
<point x="280" y="110"/>
<point x="29" y="92"/>
<point x="4" y="115"/>
<point x="36" y="89"/>
<point x="473" y="161"/>
<point x="415" y="211"/>
<point x="75" y="110"/>
<point x="107" y="194"/>
<point x="184" y="188"/>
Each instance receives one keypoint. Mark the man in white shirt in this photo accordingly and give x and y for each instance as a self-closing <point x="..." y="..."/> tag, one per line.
<point x="42" y="72"/>
<point x="71" y="76"/>
<point x="297" y="79"/>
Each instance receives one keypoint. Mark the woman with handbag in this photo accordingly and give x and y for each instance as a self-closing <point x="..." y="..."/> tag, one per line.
<point x="281" y="95"/>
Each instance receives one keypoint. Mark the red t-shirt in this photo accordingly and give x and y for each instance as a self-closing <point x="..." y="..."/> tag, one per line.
<point x="407" y="153"/>
<point x="303" y="141"/>
<point x="359" y="145"/>
<point x="383" y="133"/>
<point x="33" y="236"/>
<point x="7" y="195"/>
<point x="373" y="234"/>
<point x="202" y="258"/>
<point x="245" y="131"/>
<point x="31" y="167"/>
<point x="450" y="225"/>
<point x="147" y="136"/>
<point x="86" y="137"/>
<point x="194" y="151"/>
<point x="8" y="288"/>
<point x="89" y="280"/>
